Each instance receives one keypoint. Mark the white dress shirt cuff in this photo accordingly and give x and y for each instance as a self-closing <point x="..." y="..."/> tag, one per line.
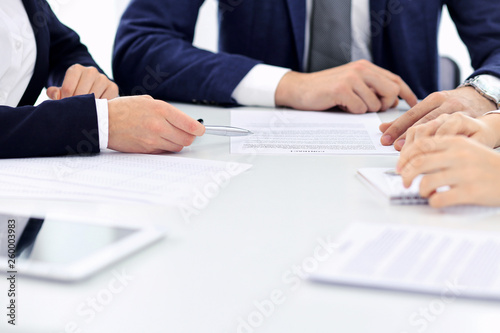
<point x="259" y="86"/>
<point x="102" y="122"/>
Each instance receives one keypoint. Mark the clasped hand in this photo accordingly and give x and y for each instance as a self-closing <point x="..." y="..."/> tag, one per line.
<point x="80" y="80"/>
<point x="357" y="87"/>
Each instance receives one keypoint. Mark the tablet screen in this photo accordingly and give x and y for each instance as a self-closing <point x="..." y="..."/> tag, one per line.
<point x="59" y="242"/>
<point x="49" y="245"/>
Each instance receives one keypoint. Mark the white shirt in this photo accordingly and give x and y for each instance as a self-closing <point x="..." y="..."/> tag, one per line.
<point x="18" y="58"/>
<point x="258" y="87"/>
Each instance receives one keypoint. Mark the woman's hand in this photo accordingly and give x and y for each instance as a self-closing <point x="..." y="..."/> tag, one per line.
<point x="471" y="169"/>
<point x="80" y="80"/>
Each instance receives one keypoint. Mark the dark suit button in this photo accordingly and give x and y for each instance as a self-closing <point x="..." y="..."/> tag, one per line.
<point x="194" y="101"/>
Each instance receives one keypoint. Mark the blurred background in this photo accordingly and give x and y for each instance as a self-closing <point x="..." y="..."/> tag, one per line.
<point x="96" y="22"/>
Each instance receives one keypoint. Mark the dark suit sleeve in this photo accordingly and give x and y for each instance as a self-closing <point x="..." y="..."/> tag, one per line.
<point x="478" y="23"/>
<point x="65" y="48"/>
<point x="154" y="55"/>
<point x="53" y="128"/>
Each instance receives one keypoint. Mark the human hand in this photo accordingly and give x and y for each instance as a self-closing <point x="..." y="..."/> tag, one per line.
<point x="466" y="100"/>
<point x="81" y="80"/>
<point x="485" y="130"/>
<point x="141" y="124"/>
<point x="357" y="87"/>
<point x="468" y="167"/>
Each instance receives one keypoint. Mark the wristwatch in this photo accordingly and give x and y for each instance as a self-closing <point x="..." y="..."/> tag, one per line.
<point x="492" y="112"/>
<point x="487" y="85"/>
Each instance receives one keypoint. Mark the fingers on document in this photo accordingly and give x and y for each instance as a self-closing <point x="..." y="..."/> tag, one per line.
<point x="423" y="112"/>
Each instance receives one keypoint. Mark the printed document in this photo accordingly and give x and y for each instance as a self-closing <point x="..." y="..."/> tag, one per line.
<point x="445" y="262"/>
<point x="115" y="176"/>
<point x="306" y="132"/>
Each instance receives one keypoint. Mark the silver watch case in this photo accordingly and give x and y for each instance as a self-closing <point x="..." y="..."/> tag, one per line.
<point x="487" y="85"/>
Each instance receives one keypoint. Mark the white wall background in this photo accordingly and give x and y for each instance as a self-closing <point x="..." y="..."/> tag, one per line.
<point x="96" y="22"/>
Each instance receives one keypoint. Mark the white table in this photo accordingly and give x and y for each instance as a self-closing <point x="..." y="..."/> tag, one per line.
<point x="211" y="271"/>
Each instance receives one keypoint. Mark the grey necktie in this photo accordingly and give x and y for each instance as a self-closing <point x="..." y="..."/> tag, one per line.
<point x="330" y="34"/>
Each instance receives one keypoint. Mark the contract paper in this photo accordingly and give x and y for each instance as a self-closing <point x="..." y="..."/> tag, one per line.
<point x="306" y="132"/>
<point x="113" y="176"/>
<point x="444" y="262"/>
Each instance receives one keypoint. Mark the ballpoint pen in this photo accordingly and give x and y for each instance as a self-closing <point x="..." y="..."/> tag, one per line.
<point x="225" y="130"/>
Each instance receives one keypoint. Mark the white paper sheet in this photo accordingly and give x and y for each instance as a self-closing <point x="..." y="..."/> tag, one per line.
<point x="391" y="185"/>
<point x="383" y="180"/>
<point x="306" y="132"/>
<point x="115" y="176"/>
<point x="445" y="262"/>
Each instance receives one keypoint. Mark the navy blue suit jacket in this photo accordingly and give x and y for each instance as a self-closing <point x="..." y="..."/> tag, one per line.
<point x="154" y="54"/>
<point x="55" y="127"/>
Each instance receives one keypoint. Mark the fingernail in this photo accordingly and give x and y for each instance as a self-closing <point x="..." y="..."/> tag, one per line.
<point x="400" y="143"/>
<point x="386" y="139"/>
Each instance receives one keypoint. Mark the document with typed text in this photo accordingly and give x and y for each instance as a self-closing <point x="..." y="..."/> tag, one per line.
<point x="306" y="132"/>
<point x="446" y="262"/>
<point x="113" y="176"/>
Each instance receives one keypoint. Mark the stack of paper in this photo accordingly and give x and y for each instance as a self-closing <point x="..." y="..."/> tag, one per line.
<point x="115" y="176"/>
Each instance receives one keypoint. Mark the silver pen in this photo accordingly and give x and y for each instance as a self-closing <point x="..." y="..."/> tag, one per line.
<point x="226" y="131"/>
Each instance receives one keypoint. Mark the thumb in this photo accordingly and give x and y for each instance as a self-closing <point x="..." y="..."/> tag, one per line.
<point x="54" y="93"/>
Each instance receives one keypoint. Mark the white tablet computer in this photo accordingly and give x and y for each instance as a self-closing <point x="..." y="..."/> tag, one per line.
<point x="66" y="250"/>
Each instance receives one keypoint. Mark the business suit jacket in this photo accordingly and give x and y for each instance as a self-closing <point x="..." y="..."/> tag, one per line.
<point x="55" y="127"/>
<point x="153" y="52"/>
